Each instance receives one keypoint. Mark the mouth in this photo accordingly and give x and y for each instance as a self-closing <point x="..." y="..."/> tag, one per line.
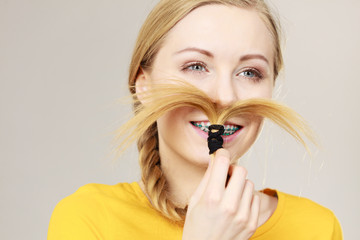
<point x="230" y="129"/>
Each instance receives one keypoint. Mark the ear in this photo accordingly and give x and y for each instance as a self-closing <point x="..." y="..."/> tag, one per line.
<point x="142" y="83"/>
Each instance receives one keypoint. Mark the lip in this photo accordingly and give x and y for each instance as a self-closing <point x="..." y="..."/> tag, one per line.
<point x="226" y="139"/>
<point x="231" y="137"/>
<point x="199" y="132"/>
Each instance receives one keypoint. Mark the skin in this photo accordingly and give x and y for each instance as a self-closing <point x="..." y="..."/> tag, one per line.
<point x="228" y="53"/>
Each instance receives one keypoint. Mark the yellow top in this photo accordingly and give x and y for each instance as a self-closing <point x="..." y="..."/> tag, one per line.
<point x="122" y="211"/>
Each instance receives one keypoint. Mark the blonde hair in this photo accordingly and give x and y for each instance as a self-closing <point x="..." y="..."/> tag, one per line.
<point x="165" y="15"/>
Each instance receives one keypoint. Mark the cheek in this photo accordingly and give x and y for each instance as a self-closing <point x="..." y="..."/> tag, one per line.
<point x="248" y="139"/>
<point x="268" y="94"/>
<point x="172" y="123"/>
<point x="246" y="90"/>
<point x="164" y="123"/>
<point x="255" y="127"/>
<point x="270" y="89"/>
<point x="266" y="89"/>
<point x="167" y="138"/>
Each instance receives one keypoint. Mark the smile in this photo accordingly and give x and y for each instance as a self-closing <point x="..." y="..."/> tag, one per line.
<point x="229" y="128"/>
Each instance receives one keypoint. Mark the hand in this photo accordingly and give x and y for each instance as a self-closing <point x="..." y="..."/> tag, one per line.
<point x="220" y="211"/>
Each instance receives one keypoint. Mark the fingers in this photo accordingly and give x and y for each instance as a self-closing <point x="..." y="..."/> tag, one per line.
<point x="235" y="187"/>
<point x="210" y="184"/>
<point x="245" y="202"/>
<point x="224" y="202"/>
<point x="248" y="223"/>
<point x="218" y="175"/>
<point x="255" y="210"/>
<point x="241" y="200"/>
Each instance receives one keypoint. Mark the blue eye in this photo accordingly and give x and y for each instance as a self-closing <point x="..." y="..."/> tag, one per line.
<point x="251" y="74"/>
<point x="248" y="73"/>
<point x="197" y="67"/>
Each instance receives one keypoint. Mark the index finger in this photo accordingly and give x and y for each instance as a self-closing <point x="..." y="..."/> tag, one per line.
<point x="218" y="173"/>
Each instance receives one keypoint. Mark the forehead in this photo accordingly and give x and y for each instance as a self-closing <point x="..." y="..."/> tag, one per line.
<point x="224" y="30"/>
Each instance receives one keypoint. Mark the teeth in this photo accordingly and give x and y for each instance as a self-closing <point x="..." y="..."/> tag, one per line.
<point x="229" y="129"/>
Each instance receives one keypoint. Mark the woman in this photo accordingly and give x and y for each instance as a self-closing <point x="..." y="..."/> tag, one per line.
<point x="230" y="50"/>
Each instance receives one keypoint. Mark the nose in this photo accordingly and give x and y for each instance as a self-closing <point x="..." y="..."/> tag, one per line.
<point x="223" y="91"/>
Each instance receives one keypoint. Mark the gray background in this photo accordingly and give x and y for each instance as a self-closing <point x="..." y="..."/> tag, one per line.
<point x="63" y="66"/>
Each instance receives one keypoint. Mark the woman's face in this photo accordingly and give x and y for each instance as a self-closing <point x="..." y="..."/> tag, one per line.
<point x="227" y="52"/>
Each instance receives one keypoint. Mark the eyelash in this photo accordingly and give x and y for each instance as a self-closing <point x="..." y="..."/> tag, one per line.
<point x="258" y="75"/>
<point x="186" y="67"/>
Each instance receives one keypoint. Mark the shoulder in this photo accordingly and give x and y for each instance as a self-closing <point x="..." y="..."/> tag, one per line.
<point x="102" y="195"/>
<point x="89" y="208"/>
<point x="302" y="207"/>
<point x="95" y="194"/>
<point x="301" y="211"/>
<point x="118" y="191"/>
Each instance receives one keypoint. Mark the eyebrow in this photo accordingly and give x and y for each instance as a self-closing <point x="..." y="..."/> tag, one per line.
<point x="254" y="56"/>
<point x="209" y="54"/>
<point x="199" y="50"/>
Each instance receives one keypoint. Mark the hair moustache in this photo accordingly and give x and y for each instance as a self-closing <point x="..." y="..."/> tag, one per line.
<point x="162" y="98"/>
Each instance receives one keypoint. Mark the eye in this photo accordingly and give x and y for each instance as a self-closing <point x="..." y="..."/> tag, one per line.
<point x="252" y="74"/>
<point x="195" y="67"/>
<point x="248" y="73"/>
